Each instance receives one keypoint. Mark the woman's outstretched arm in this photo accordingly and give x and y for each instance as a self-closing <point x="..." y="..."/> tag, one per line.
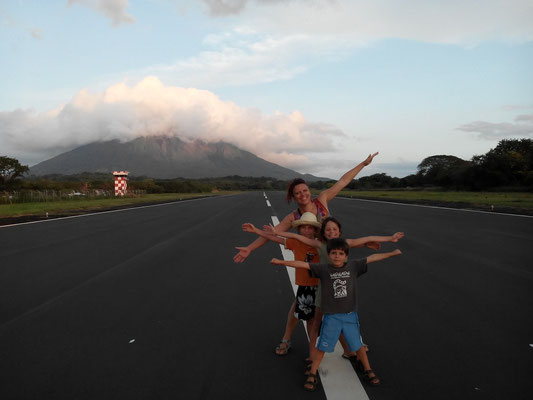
<point x="329" y="194"/>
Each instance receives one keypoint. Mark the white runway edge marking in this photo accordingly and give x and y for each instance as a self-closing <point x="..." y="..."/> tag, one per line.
<point x="439" y="208"/>
<point x="337" y="375"/>
<point x="110" y="211"/>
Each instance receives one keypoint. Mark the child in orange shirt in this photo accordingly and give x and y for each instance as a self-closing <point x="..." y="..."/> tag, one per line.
<point x="303" y="307"/>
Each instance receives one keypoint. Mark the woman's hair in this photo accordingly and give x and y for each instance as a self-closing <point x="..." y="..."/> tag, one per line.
<point x="338" y="244"/>
<point x="292" y="185"/>
<point x="323" y="227"/>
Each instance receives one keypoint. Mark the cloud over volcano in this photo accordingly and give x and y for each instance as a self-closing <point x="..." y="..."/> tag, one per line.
<point x="150" y="108"/>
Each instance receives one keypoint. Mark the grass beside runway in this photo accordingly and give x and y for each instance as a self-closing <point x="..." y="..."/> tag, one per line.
<point x="480" y="200"/>
<point x="518" y="202"/>
<point x="81" y="205"/>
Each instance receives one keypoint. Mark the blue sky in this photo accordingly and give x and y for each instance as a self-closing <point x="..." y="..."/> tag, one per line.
<point x="314" y="85"/>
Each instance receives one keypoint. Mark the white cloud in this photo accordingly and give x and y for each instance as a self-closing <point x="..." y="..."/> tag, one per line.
<point x="36" y="33"/>
<point x="115" y="10"/>
<point x="238" y="59"/>
<point x="150" y="108"/>
<point x="453" y="21"/>
<point x="515" y="107"/>
<point x="6" y="21"/>
<point x="273" y="40"/>
<point x="503" y="130"/>
<point x="224" y="7"/>
<point x="528" y="118"/>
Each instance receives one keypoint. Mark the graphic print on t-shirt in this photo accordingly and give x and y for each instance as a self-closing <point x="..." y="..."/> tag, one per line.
<point x="339" y="288"/>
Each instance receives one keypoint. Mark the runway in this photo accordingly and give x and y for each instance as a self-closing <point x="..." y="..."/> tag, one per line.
<point x="147" y="303"/>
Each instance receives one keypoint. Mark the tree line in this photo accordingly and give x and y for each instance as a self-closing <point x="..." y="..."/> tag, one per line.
<point x="509" y="166"/>
<point x="87" y="182"/>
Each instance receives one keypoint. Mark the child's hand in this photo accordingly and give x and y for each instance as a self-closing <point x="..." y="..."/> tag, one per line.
<point x="275" y="261"/>
<point x="269" y="229"/>
<point x="243" y="253"/>
<point x="396" y="252"/>
<point x="248" y="227"/>
<point x="373" y="245"/>
<point x="397" y="236"/>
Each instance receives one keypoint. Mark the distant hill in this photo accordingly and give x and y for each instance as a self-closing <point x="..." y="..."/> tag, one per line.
<point x="165" y="158"/>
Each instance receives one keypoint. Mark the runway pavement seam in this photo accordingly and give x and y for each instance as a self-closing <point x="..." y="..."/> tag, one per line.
<point x="67" y="292"/>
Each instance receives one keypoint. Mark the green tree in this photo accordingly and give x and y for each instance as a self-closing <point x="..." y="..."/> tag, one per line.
<point x="510" y="163"/>
<point x="441" y="170"/>
<point x="10" y="170"/>
<point x="376" y="181"/>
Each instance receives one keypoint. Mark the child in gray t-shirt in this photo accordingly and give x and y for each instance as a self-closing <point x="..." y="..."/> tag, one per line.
<point x="339" y="301"/>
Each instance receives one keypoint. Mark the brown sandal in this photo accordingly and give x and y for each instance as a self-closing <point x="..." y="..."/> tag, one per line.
<point x="371" y="380"/>
<point x="311" y="382"/>
<point x="283" y="347"/>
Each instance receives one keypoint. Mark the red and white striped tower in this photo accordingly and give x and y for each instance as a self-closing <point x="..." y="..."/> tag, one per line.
<point x="121" y="182"/>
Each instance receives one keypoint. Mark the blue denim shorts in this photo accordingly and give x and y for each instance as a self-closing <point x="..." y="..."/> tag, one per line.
<point x="333" y="325"/>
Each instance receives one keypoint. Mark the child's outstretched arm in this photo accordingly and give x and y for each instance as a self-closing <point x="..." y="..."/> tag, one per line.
<point x="244" y="252"/>
<point x="248" y="227"/>
<point x="382" y="256"/>
<point x="363" y="241"/>
<point x="269" y="229"/>
<point x="293" y="264"/>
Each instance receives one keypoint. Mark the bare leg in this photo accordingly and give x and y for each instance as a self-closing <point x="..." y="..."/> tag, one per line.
<point x="313" y="327"/>
<point x="370" y="375"/>
<point x="363" y="357"/>
<point x="312" y="379"/>
<point x="292" y="321"/>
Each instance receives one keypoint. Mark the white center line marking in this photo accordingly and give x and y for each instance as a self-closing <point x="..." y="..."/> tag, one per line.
<point x="337" y="375"/>
<point x="268" y="203"/>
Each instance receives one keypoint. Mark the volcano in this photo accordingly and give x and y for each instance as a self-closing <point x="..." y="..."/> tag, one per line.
<point x="165" y="157"/>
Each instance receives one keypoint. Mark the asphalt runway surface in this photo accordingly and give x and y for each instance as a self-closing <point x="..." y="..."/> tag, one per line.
<point x="147" y="304"/>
